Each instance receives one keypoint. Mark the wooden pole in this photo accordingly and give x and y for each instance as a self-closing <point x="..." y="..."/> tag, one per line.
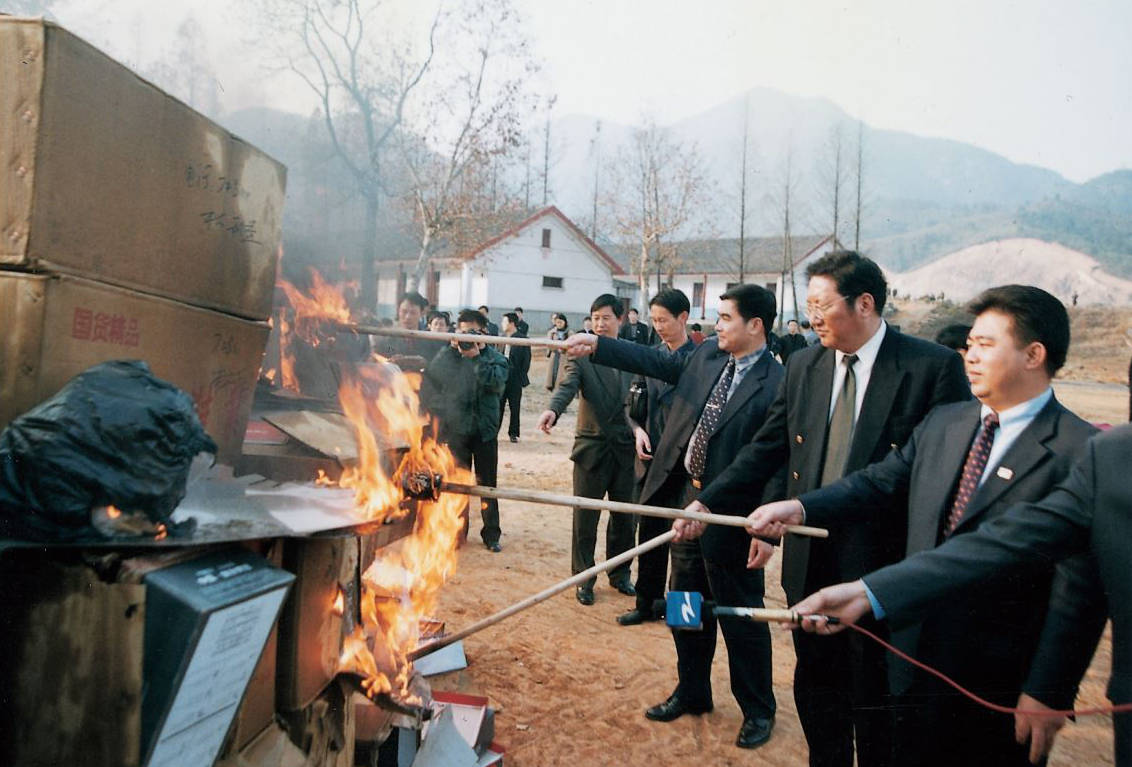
<point x="428" y="335"/>
<point x="545" y="594"/>
<point x="760" y="614"/>
<point x="557" y="499"/>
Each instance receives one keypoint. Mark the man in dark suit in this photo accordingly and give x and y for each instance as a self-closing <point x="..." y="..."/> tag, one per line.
<point x="842" y="406"/>
<point x="634" y="330"/>
<point x="603" y="451"/>
<point x="964" y="466"/>
<point x="519" y="359"/>
<point x="723" y="391"/>
<point x="668" y="311"/>
<point x="491" y="328"/>
<point x="1088" y="512"/>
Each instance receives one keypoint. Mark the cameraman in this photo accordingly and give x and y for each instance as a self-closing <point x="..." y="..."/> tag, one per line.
<point x="461" y="387"/>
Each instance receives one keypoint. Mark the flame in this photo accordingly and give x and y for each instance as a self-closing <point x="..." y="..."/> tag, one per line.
<point x="307" y="318"/>
<point x="339" y="606"/>
<point x="113" y="512"/>
<point x="402" y="586"/>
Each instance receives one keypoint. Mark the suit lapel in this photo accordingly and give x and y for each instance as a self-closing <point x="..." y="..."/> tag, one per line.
<point x="817" y="392"/>
<point x="1023" y="457"/>
<point x="884" y="383"/>
<point x="957" y="439"/>
<point x="752" y="382"/>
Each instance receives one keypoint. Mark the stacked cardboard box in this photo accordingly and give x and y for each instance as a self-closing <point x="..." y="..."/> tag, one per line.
<point x="131" y="227"/>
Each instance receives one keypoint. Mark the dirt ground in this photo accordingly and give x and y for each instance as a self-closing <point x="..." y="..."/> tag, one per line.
<point x="570" y="685"/>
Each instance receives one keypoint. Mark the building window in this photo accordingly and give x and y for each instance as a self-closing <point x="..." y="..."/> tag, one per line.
<point x="546" y="239"/>
<point x="552" y="282"/>
<point x="697" y="294"/>
<point x="731" y="285"/>
<point x="772" y="287"/>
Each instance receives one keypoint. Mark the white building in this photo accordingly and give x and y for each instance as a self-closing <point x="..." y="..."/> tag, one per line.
<point x="706" y="268"/>
<point x="543" y="263"/>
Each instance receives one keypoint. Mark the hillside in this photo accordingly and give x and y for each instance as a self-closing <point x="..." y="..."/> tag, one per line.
<point x="1062" y="271"/>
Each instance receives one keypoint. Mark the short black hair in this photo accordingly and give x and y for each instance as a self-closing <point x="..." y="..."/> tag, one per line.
<point x="512" y="318"/>
<point x="791" y="320"/>
<point x="953" y="336"/>
<point x="673" y="300"/>
<point x="805" y="324"/>
<point x="472" y="315"/>
<point x="413" y="297"/>
<point x="610" y="300"/>
<point x="484" y="308"/>
<point x="563" y="317"/>
<point x="696" y="326"/>
<point x="854" y="275"/>
<point x="518" y="310"/>
<point x="753" y="301"/>
<point x="1036" y="316"/>
<point x="633" y="309"/>
<point x="434" y="314"/>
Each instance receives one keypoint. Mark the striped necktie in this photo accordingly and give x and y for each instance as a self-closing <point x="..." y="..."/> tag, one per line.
<point x="973" y="469"/>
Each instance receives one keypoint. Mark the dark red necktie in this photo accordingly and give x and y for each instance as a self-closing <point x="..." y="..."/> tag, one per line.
<point x="973" y="469"/>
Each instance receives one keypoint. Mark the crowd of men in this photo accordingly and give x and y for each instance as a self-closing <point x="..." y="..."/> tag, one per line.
<point x="975" y="522"/>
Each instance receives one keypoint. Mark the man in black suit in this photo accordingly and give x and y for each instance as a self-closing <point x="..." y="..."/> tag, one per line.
<point x="723" y="391"/>
<point x="519" y="359"/>
<point x="602" y="454"/>
<point x="668" y="311"/>
<point x="842" y="406"/>
<point x="491" y="328"/>
<point x="965" y="465"/>
<point x="634" y="330"/>
<point x="1088" y="512"/>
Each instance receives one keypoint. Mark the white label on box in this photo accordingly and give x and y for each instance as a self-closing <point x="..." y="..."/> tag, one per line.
<point x="218" y="673"/>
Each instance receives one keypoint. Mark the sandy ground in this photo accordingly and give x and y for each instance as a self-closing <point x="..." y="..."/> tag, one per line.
<point x="571" y="686"/>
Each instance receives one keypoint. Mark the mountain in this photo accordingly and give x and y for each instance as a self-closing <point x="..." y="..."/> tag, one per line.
<point x="924" y="197"/>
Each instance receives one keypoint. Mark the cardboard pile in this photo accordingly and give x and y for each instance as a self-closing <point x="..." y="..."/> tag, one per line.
<point x="131" y="227"/>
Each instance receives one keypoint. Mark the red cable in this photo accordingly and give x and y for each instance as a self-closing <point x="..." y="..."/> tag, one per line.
<point x="1115" y="709"/>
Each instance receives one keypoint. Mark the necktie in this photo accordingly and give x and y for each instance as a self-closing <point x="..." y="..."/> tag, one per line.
<point x="709" y="419"/>
<point x="973" y="469"/>
<point x="841" y="425"/>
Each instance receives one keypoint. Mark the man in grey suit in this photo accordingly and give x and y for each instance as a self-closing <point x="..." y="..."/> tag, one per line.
<point x="603" y="451"/>
<point x="965" y="465"/>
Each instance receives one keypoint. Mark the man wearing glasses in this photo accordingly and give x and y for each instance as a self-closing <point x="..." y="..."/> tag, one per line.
<point x="843" y="405"/>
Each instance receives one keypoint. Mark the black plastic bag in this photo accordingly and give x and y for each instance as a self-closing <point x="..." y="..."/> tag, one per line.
<point x="114" y="435"/>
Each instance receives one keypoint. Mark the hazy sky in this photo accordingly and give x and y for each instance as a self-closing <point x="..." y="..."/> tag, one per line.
<point x="1045" y="82"/>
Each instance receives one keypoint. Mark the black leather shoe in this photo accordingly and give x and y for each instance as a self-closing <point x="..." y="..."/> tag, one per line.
<point x="584" y="595"/>
<point x="625" y="588"/>
<point x="674" y="708"/>
<point x="514" y="439"/>
<point x="494" y="548"/>
<point x="754" y="732"/>
<point x="636" y="617"/>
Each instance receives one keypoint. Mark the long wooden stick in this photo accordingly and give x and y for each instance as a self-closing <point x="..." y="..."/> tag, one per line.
<point x="556" y="499"/>
<point x="428" y="335"/>
<point x="545" y="594"/>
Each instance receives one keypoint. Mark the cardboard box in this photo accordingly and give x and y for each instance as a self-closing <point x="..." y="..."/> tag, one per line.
<point x="104" y="175"/>
<point x="55" y="327"/>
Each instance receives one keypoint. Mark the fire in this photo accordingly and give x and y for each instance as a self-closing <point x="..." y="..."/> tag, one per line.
<point x="403" y="586"/>
<point x="339" y="606"/>
<point x="113" y="511"/>
<point x="307" y="318"/>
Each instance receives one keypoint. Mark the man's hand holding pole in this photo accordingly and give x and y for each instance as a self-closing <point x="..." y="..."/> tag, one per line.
<point x="580" y="345"/>
<point x="846" y="601"/>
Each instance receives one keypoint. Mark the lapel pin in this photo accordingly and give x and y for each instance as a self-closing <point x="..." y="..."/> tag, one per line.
<point x="1005" y="473"/>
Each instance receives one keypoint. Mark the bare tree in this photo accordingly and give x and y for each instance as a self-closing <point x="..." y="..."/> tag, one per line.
<point x="347" y="54"/>
<point x="831" y="176"/>
<point x="475" y="100"/>
<point x="743" y="170"/>
<point x="785" y="200"/>
<point x="595" y="152"/>
<point x="659" y="193"/>
<point x="860" y="175"/>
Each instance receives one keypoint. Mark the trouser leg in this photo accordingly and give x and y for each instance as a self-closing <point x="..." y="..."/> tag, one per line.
<point x="695" y="649"/>
<point x="486" y="458"/>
